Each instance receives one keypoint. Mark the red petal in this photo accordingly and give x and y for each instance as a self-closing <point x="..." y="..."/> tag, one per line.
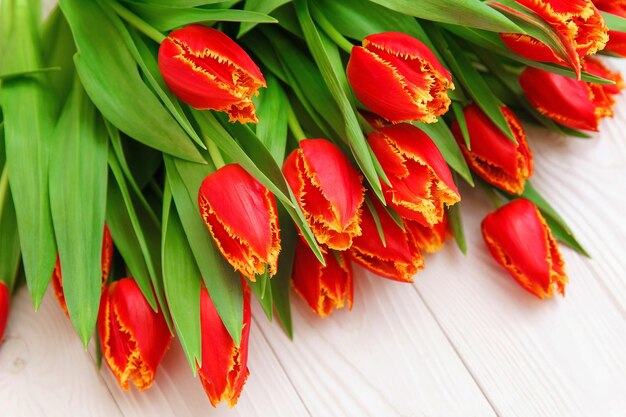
<point x="428" y="239"/>
<point x="224" y="366"/>
<point x="596" y="67"/>
<point x="617" y="43"/>
<point x="5" y="301"/>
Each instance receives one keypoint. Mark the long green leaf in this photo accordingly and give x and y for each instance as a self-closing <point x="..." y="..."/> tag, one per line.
<point x="78" y="189"/>
<point x="9" y="237"/>
<point x="260" y="6"/>
<point x="26" y="106"/>
<point x="281" y="282"/>
<point x="615" y="22"/>
<point x="272" y="109"/>
<point x="110" y="76"/>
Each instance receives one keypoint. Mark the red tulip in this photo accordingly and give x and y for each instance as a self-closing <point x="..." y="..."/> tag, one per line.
<point x="241" y="215"/>
<point x="493" y="156"/>
<point x="565" y="100"/>
<point x="224" y="367"/>
<point x="398" y="259"/>
<point x="429" y="239"/>
<point x="421" y="182"/>
<point x="329" y="191"/>
<point x="578" y="23"/>
<point x="603" y="93"/>
<point x="398" y="77"/>
<point x="133" y="338"/>
<point x="5" y="301"/>
<point x="520" y="240"/>
<point x="322" y="287"/>
<point x="207" y="70"/>
<point x="617" y="40"/>
<point x="106" y="257"/>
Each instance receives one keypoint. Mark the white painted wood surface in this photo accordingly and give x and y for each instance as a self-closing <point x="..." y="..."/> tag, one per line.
<point x="464" y="340"/>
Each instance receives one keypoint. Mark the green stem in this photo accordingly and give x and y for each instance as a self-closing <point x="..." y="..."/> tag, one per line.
<point x="294" y="125"/>
<point x="331" y="31"/>
<point x="365" y="125"/>
<point x="137" y="22"/>
<point x="215" y="154"/>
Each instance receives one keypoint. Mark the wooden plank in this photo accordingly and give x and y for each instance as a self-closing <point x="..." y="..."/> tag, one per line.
<point x="44" y="370"/>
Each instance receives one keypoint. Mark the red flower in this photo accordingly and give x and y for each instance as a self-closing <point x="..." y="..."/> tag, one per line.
<point x="520" y="240"/>
<point x="398" y="77"/>
<point x="242" y="218"/>
<point x="565" y="100"/>
<point x="603" y="92"/>
<point x="429" y="239"/>
<point x="617" y="40"/>
<point x="106" y="257"/>
<point x="322" y="287"/>
<point x="5" y="301"/>
<point x="421" y="182"/>
<point x="398" y="258"/>
<point x="494" y="157"/>
<point x="329" y="191"/>
<point x="133" y="338"/>
<point x="578" y="23"/>
<point x="207" y="70"/>
<point x="224" y="367"/>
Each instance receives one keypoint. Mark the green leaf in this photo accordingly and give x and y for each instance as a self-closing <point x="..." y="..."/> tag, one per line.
<point x="281" y="282"/>
<point x="379" y="226"/>
<point x="58" y="52"/>
<point x="78" y="189"/>
<point x="470" y="13"/>
<point x="260" y="6"/>
<point x="180" y="3"/>
<point x="272" y="110"/>
<point x="222" y="282"/>
<point x="459" y="114"/>
<point x="456" y="225"/>
<point x="168" y="18"/>
<point x="9" y="238"/>
<point x="182" y="282"/>
<point x="28" y="125"/>
<point x="110" y="76"/>
<point x="263" y="293"/>
<point x="614" y="22"/>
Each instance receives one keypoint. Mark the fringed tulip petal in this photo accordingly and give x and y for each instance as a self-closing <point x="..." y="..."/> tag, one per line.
<point x="133" y="338"/>
<point x="224" y="367"/>
<point x="242" y="217"/>
<point x="324" y="288"/>
<point x="428" y="239"/>
<point x="208" y="70"/>
<point x="520" y="240"/>
<point x="399" y="78"/>
<point x="421" y="182"/>
<point x="493" y="156"/>
<point x="5" y="301"/>
<point x="329" y="191"/>
<point x="398" y="259"/>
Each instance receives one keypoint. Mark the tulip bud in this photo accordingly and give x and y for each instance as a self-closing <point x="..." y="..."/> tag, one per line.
<point x="493" y="156"/>
<point x="224" y="367"/>
<point x="242" y="217"/>
<point x="578" y="23"/>
<point x="208" y="70"/>
<point x="398" y="258"/>
<point x="133" y="338"/>
<point x="428" y="239"/>
<point x="398" y="77"/>
<point x="565" y="100"/>
<point x="106" y="257"/>
<point x="421" y="182"/>
<point x="322" y="287"/>
<point x="329" y="191"/>
<point x="5" y="301"/>
<point x="520" y="240"/>
<point x="617" y="39"/>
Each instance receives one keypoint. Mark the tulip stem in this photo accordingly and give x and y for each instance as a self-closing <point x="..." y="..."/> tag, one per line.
<point x="365" y="125"/>
<point x="215" y="154"/>
<point x="294" y="125"/>
<point x="137" y="22"/>
<point x="331" y="31"/>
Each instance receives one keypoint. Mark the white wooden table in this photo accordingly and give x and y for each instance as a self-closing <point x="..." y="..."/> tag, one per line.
<point x="464" y="340"/>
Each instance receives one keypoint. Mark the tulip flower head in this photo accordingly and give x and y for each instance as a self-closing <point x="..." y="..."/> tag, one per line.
<point x="329" y="191"/>
<point x="242" y="217"/>
<point x="617" y="39"/>
<point x="322" y="287"/>
<point x="133" y="337"/>
<point x="428" y="239"/>
<point x="578" y="23"/>
<point x="106" y="258"/>
<point x="5" y="301"/>
<point x="565" y="100"/>
<point x="399" y="78"/>
<point x="603" y="93"/>
<point x="208" y="70"/>
<point x="493" y="156"/>
<point x="224" y="368"/>
<point x="398" y="258"/>
<point x="421" y="182"/>
<point x="520" y="240"/>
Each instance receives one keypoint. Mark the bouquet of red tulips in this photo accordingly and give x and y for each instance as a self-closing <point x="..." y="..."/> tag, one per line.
<point x="162" y="160"/>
